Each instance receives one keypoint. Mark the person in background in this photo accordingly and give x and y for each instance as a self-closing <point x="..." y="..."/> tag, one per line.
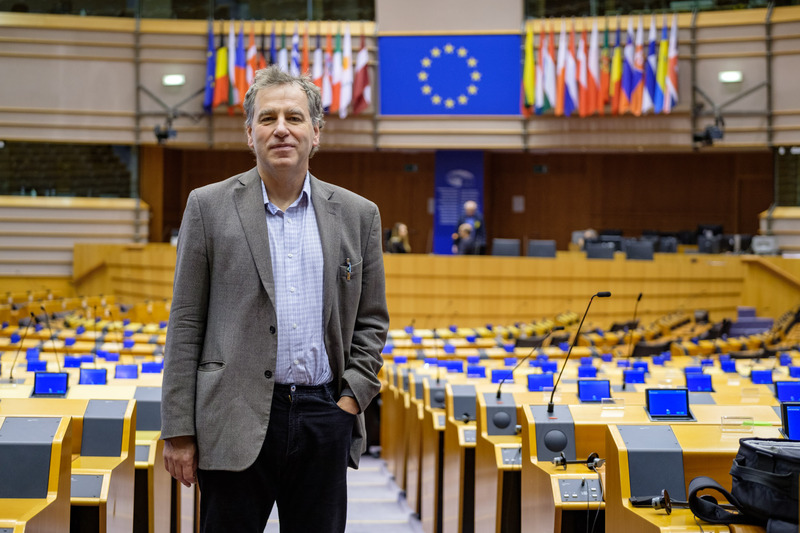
<point x="589" y="235"/>
<point x="474" y="218"/>
<point x="465" y="243"/>
<point x="277" y="323"/>
<point x="398" y="241"/>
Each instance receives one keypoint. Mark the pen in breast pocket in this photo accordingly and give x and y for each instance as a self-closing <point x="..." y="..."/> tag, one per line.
<point x="349" y="269"/>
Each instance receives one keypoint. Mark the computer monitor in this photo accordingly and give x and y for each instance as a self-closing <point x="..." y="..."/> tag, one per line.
<point x="476" y="371"/>
<point x="155" y="367"/>
<point x="699" y="382"/>
<point x="790" y="415"/>
<point x="787" y="391"/>
<point x="538" y="382"/>
<point x="587" y="371"/>
<point x="668" y="404"/>
<point x="505" y="375"/>
<point x="593" y="390"/>
<point x="37" y="365"/>
<point x="126" y="372"/>
<point x="761" y="376"/>
<point x="633" y="376"/>
<point x="50" y="384"/>
<point x="93" y="376"/>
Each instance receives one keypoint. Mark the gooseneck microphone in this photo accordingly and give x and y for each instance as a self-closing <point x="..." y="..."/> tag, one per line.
<point x="541" y="343"/>
<point x="21" y="342"/>
<point x="47" y="321"/>
<point x="633" y="323"/>
<point x="604" y="294"/>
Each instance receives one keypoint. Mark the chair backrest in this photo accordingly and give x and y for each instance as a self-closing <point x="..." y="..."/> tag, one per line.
<point x="600" y="250"/>
<point x="639" y="250"/>
<point x="615" y="239"/>
<point x="668" y="245"/>
<point x="542" y="248"/>
<point x="708" y="245"/>
<point x="506" y="247"/>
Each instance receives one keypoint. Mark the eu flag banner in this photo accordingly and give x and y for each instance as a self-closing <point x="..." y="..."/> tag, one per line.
<point x="450" y="75"/>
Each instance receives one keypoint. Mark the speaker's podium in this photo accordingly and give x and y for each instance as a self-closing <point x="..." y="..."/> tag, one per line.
<point x="35" y="461"/>
<point x="643" y="460"/>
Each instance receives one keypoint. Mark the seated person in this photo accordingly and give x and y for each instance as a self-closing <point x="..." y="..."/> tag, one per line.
<point x="465" y="244"/>
<point x="398" y="241"/>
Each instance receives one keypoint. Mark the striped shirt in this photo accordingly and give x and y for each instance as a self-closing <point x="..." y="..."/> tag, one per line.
<point x="297" y="266"/>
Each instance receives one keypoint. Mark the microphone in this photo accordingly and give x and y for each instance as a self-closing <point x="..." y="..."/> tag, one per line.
<point x="604" y="294"/>
<point x="21" y="342"/>
<point x="633" y="322"/>
<point x="556" y="328"/>
<point x="47" y="321"/>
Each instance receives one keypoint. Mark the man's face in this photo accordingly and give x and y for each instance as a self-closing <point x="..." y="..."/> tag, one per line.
<point x="282" y="134"/>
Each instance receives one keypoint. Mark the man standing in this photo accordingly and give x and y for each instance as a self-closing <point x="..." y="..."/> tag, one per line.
<point x="277" y="324"/>
<point x="474" y="219"/>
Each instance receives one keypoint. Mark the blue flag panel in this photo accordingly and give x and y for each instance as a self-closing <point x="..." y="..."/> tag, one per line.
<point x="450" y="75"/>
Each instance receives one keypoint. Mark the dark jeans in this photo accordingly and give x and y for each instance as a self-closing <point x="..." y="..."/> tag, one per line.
<point x="302" y="466"/>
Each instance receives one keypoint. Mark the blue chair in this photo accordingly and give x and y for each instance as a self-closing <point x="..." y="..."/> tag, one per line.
<point x="639" y="250"/>
<point x="126" y="372"/>
<point x="152" y="367"/>
<point x="600" y="250"/>
<point x="37" y="365"/>
<point x="541" y="248"/>
<point x="506" y="247"/>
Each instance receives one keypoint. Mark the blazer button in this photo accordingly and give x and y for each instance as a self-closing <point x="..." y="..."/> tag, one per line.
<point x="268" y="374"/>
<point x="272" y="329"/>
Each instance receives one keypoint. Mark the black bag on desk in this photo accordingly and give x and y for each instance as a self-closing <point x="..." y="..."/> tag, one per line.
<point x="764" y="487"/>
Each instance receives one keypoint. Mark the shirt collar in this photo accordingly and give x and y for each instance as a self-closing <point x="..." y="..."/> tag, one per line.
<point x="301" y="200"/>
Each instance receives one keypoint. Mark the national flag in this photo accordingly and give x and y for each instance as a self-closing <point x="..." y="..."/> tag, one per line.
<point x="550" y="72"/>
<point x="604" y="95"/>
<point x="240" y="68"/>
<point x="283" y="54"/>
<point x="671" y="92"/>
<point x="221" y="83"/>
<point x="638" y="71"/>
<point x="294" y="66"/>
<point x="583" y="76"/>
<point x="252" y="55"/>
<point x="627" y="71"/>
<point x="211" y="69"/>
<point x="571" y="77"/>
<point x="273" y="47"/>
<point x="336" y="74"/>
<point x="362" y="91"/>
<point x="233" y="94"/>
<point x="661" y="71"/>
<point x="561" y="68"/>
<point x="650" y="68"/>
<point x="318" y="68"/>
<point x="327" y="74"/>
<point x="615" y="86"/>
<point x="540" y="102"/>
<point x="593" y="72"/>
<point x="305" y="66"/>
<point x="528" y="73"/>
<point x="346" y="92"/>
<point x="261" y="59"/>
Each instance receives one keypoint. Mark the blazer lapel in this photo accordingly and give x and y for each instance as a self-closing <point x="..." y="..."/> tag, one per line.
<point x="329" y="223"/>
<point x="250" y="207"/>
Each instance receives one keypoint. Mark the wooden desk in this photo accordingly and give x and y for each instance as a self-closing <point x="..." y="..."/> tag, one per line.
<point x="706" y="451"/>
<point x="50" y="514"/>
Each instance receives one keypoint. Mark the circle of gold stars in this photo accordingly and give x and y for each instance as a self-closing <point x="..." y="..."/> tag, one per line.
<point x="449" y="100"/>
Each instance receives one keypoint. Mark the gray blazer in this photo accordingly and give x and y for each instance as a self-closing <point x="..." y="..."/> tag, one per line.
<point x="220" y="355"/>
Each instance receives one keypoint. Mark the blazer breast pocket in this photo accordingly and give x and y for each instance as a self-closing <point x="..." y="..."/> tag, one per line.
<point x="350" y="271"/>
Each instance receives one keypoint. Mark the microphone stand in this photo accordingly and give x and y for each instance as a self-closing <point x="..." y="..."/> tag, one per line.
<point x="556" y="328"/>
<point x="630" y="339"/>
<point x="52" y="341"/>
<point x="21" y="342"/>
<point x="605" y="294"/>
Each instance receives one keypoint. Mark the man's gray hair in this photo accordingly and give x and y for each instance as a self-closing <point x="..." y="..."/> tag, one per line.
<point x="273" y="76"/>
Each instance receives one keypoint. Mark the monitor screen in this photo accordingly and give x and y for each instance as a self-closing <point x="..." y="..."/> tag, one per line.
<point x="787" y="391"/>
<point x="593" y="390"/>
<point x="761" y="376"/>
<point x="699" y="383"/>
<point x="668" y="403"/>
<point x="126" y="372"/>
<point x="633" y="376"/>
<point x="50" y="384"/>
<point x="93" y="376"/>
<point x="728" y="366"/>
<point x="537" y="382"/>
<point x="790" y="413"/>
<point x="502" y="374"/>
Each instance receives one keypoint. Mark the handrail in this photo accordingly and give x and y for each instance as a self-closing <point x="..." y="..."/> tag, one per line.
<point x="774" y="269"/>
